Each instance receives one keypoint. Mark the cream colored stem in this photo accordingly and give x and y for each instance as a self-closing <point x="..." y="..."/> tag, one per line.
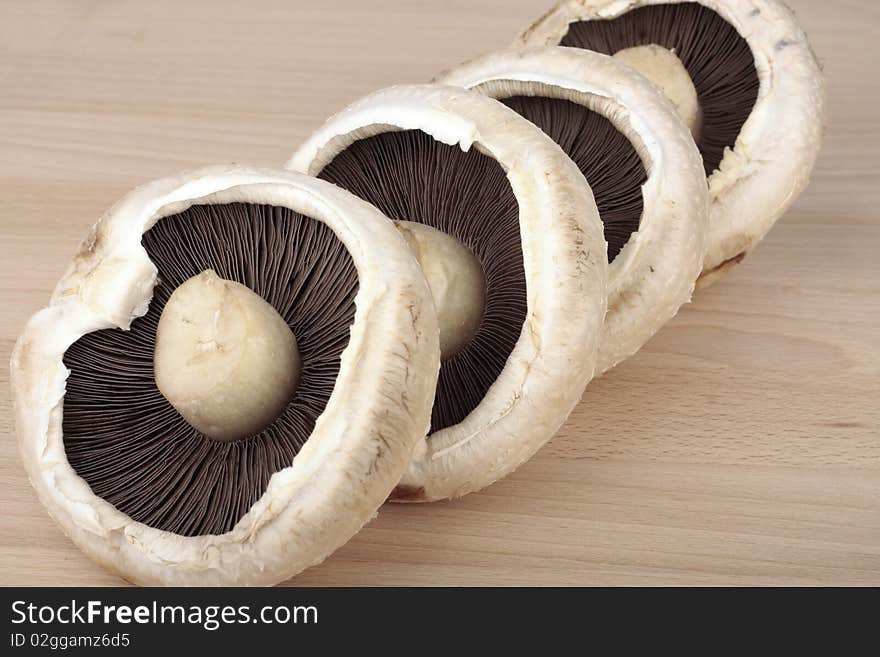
<point x="456" y="281"/>
<point x="663" y="67"/>
<point x="224" y="358"/>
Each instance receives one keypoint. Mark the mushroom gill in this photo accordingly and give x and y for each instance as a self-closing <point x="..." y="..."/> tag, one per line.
<point x="128" y="442"/>
<point x="412" y="177"/>
<point x="604" y="155"/>
<point x="718" y="60"/>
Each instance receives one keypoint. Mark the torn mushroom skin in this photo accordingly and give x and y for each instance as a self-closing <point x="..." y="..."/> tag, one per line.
<point x="235" y="267"/>
<point x="508" y="197"/>
<point x="760" y="93"/>
<point x="640" y="161"/>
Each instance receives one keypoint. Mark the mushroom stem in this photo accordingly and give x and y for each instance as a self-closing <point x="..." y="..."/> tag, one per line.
<point x="224" y="357"/>
<point x="663" y="67"/>
<point x="456" y="281"/>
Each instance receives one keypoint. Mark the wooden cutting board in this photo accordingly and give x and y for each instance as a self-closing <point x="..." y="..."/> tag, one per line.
<point x="741" y="446"/>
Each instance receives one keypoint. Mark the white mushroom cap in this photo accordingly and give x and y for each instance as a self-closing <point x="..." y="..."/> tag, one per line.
<point x="771" y="162"/>
<point x="565" y="268"/>
<point x="654" y="274"/>
<point x="380" y="405"/>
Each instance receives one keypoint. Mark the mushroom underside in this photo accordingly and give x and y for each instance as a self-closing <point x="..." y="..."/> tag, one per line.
<point x="604" y="155"/>
<point x="411" y="177"/>
<point x="127" y="441"/>
<point x="718" y="60"/>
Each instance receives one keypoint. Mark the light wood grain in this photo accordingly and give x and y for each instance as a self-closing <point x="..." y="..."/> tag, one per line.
<point x="741" y="446"/>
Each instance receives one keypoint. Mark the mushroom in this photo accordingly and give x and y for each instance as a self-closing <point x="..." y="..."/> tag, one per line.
<point x="464" y="164"/>
<point x="640" y="161"/>
<point x="262" y="285"/>
<point x="760" y="91"/>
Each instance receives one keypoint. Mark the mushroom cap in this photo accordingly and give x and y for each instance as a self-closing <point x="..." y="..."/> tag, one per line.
<point x="380" y="404"/>
<point x="563" y="250"/>
<point x="654" y="274"/>
<point x="770" y="164"/>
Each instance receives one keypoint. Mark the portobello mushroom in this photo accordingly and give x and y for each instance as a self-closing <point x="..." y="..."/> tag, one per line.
<point x="759" y="89"/>
<point x="640" y="162"/>
<point x="467" y="166"/>
<point x="147" y="393"/>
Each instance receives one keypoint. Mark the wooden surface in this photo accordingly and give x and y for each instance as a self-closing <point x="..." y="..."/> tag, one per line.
<point x="741" y="446"/>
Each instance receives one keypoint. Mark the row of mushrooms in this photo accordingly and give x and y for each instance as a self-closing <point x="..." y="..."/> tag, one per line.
<point x="241" y="365"/>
